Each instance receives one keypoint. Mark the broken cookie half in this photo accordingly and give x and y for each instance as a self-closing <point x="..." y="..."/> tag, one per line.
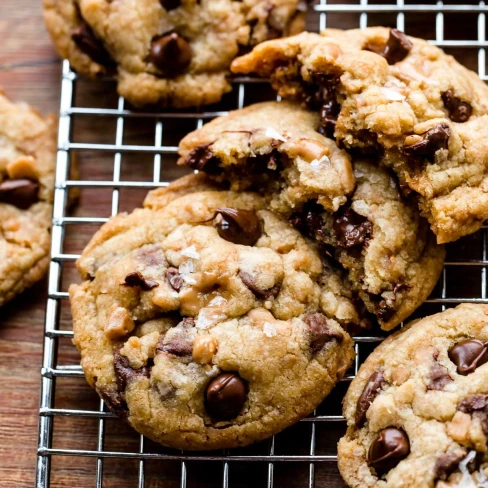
<point x="380" y="92"/>
<point x="367" y="231"/>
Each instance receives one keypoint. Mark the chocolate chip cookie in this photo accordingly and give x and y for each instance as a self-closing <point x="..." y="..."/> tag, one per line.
<point x="356" y="211"/>
<point x="167" y="52"/>
<point x="27" y="161"/>
<point x="379" y="91"/>
<point x="417" y="412"/>
<point x="200" y="324"/>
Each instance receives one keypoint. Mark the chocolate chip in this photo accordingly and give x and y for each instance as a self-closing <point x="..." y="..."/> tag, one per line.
<point x="170" y="4"/>
<point x="93" y="47"/>
<point x="372" y="389"/>
<point x="319" y="332"/>
<point x="174" y="278"/>
<point x="21" y="193"/>
<point x="473" y="403"/>
<point x="309" y="221"/>
<point x="433" y="140"/>
<point x="171" y="54"/>
<point x="115" y="402"/>
<point x="352" y="229"/>
<point x="238" y="226"/>
<point x="202" y="159"/>
<point x="459" y="111"/>
<point x="447" y="464"/>
<point x="477" y="406"/>
<point x="397" y="47"/>
<point x="225" y="396"/>
<point x="125" y="373"/>
<point x="249" y="281"/>
<point x="136" y="279"/>
<point x="178" y="341"/>
<point x="323" y="97"/>
<point x="468" y="355"/>
<point x="439" y="377"/>
<point x="388" y="449"/>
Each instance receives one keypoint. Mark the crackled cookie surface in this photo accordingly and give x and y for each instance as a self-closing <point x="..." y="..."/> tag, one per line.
<point x="400" y="98"/>
<point x="354" y="210"/>
<point x="27" y="160"/>
<point x="417" y="411"/>
<point x="200" y="324"/>
<point x="167" y="52"/>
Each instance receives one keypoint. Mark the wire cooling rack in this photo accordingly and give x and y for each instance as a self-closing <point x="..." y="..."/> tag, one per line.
<point x="123" y="153"/>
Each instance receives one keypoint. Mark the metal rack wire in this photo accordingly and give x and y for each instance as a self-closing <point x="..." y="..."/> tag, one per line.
<point x="465" y="267"/>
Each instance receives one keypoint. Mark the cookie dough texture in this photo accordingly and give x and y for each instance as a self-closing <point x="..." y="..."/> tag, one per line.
<point x="100" y="37"/>
<point x="354" y="209"/>
<point x="168" y="309"/>
<point x="424" y="392"/>
<point x="401" y="98"/>
<point x="27" y="161"/>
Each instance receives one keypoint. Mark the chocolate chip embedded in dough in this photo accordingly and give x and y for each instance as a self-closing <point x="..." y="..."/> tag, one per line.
<point x="459" y="111"/>
<point x="125" y="373"/>
<point x="171" y="54"/>
<point x="439" y="377"/>
<point x="433" y="140"/>
<point x="201" y="158"/>
<point x="372" y="389"/>
<point x="250" y="282"/>
<point x="447" y="464"/>
<point x="238" y="226"/>
<point x="319" y="332"/>
<point x="225" y="396"/>
<point x="93" y="47"/>
<point x="352" y="229"/>
<point x="397" y="47"/>
<point x="468" y="355"/>
<point x="175" y="279"/>
<point x="389" y="447"/>
<point x="170" y="4"/>
<point x="21" y="193"/>
<point x="136" y="279"/>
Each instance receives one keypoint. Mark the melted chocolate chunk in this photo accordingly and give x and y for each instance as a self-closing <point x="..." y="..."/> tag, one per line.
<point x="319" y="332"/>
<point x="263" y="163"/>
<point x="225" y="396"/>
<point x="124" y="373"/>
<point x="439" y="377"/>
<point x="477" y="406"/>
<point x="93" y="47"/>
<point x="170" y="4"/>
<point x="468" y="355"/>
<point x="178" y="341"/>
<point x="433" y="140"/>
<point x="372" y="389"/>
<point x="309" y="221"/>
<point x="202" y="159"/>
<point x="249" y="281"/>
<point x="136" y="279"/>
<point x="388" y="449"/>
<point x="171" y="54"/>
<point x="323" y="97"/>
<point x="459" y="111"/>
<point x="238" y="226"/>
<point x="352" y="229"/>
<point x="397" y="47"/>
<point x="174" y="278"/>
<point x="447" y="464"/>
<point x="115" y="403"/>
<point x="21" y="193"/>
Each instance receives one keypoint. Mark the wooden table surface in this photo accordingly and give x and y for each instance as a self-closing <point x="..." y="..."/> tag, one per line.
<point x="30" y="71"/>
